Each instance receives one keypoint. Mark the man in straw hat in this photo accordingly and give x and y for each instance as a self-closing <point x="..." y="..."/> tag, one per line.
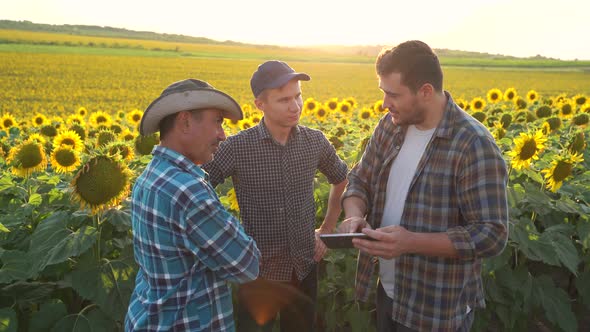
<point x="186" y="244"/>
<point x="273" y="166"/>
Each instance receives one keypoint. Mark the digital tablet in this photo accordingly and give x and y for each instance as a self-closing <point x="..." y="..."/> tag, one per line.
<point x="342" y="240"/>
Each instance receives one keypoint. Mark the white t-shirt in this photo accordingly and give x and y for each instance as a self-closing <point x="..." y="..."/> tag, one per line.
<point x="400" y="176"/>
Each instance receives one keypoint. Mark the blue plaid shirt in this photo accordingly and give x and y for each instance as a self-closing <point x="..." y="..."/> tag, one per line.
<point x="188" y="247"/>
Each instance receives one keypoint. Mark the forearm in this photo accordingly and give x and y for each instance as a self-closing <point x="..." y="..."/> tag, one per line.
<point x="354" y="207"/>
<point x="334" y="209"/>
<point x="431" y="244"/>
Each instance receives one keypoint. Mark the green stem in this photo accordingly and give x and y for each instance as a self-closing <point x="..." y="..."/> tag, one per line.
<point x="97" y="225"/>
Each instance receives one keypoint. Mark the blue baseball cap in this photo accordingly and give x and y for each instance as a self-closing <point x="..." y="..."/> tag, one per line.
<point x="273" y="74"/>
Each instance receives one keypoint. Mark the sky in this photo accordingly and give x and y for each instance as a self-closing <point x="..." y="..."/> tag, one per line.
<point x="523" y="28"/>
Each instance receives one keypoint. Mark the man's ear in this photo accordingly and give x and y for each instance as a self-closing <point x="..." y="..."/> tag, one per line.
<point x="426" y="91"/>
<point x="259" y="104"/>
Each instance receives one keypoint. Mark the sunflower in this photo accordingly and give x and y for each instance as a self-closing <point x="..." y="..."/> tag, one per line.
<point x="566" y="110"/>
<point x="145" y="144"/>
<point x="7" y="121"/>
<point x="134" y="117"/>
<point x="104" y="137"/>
<point x="116" y="128"/>
<point x="480" y="116"/>
<point x="127" y="135"/>
<point x="121" y="115"/>
<point x="245" y="124"/>
<point x="494" y="95"/>
<point x="351" y="101"/>
<point x="462" y="103"/>
<point x="506" y="120"/>
<point x="39" y="120"/>
<point x="332" y="104"/>
<point x="26" y="158"/>
<point x="498" y="131"/>
<point x="520" y="103"/>
<point x="510" y="94"/>
<point x="561" y="169"/>
<point x="321" y="113"/>
<point x="344" y="108"/>
<point x="477" y="104"/>
<point x="69" y="138"/>
<point x="82" y="111"/>
<point x="232" y="124"/>
<point x="255" y="118"/>
<point x="36" y="138"/>
<point x="577" y="143"/>
<point x="365" y="114"/>
<point x="310" y="105"/>
<point x="48" y="130"/>
<point x="554" y="123"/>
<point x="527" y="148"/>
<point x="543" y="112"/>
<point x="123" y="149"/>
<point x="99" y="118"/>
<point x="79" y="129"/>
<point x="101" y="183"/>
<point x="580" y="99"/>
<point x="581" y="120"/>
<point x="246" y="108"/>
<point x="378" y="108"/>
<point x="233" y="200"/>
<point x="75" y="119"/>
<point x="532" y="96"/>
<point x="64" y="159"/>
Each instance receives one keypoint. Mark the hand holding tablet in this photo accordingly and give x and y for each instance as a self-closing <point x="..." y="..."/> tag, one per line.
<point x="342" y="240"/>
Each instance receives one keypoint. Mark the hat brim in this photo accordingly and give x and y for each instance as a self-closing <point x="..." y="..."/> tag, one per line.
<point x="187" y="101"/>
<point x="283" y="79"/>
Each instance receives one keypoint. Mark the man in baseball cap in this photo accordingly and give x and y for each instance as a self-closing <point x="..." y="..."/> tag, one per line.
<point x="186" y="244"/>
<point x="273" y="166"/>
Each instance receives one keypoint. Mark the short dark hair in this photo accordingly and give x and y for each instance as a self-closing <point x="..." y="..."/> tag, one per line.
<point x="167" y="123"/>
<point x="415" y="61"/>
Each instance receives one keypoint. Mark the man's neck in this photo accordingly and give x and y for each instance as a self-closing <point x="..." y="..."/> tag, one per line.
<point x="278" y="133"/>
<point x="435" y="113"/>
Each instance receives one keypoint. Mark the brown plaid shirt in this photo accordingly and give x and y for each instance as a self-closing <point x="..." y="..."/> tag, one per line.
<point x="274" y="187"/>
<point x="459" y="188"/>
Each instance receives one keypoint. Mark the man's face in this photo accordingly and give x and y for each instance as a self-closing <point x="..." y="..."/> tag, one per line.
<point x="404" y="106"/>
<point x="281" y="106"/>
<point x="205" y="132"/>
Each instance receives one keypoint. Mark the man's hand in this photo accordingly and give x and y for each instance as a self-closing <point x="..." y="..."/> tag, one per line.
<point x="320" y="246"/>
<point x="390" y="242"/>
<point x="352" y="225"/>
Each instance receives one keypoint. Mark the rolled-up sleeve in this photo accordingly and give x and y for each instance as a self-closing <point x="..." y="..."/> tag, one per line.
<point x="481" y="190"/>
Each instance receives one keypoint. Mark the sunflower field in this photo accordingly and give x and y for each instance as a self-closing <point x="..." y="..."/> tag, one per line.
<point x="70" y="152"/>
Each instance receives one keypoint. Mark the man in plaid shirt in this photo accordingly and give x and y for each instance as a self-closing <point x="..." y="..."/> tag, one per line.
<point x="273" y="166"/>
<point x="430" y="190"/>
<point x="186" y="244"/>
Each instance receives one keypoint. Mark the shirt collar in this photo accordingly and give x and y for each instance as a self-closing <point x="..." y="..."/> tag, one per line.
<point x="265" y="134"/>
<point x="179" y="160"/>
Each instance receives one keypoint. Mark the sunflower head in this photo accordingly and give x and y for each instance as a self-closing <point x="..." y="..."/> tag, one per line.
<point x="64" y="159"/>
<point x="479" y="115"/>
<point x="127" y="135"/>
<point x="554" y="123"/>
<point x="104" y="137"/>
<point x="79" y="129"/>
<point x="116" y="128"/>
<point x="577" y="143"/>
<point x="321" y="112"/>
<point x="520" y="103"/>
<point x="378" y="108"/>
<point x="566" y="110"/>
<point x="560" y="169"/>
<point x="100" y="119"/>
<point x="332" y="104"/>
<point x="134" y="117"/>
<point x="527" y="148"/>
<point x="7" y="121"/>
<point x="344" y="108"/>
<point x="48" y="130"/>
<point x="26" y="158"/>
<point x="245" y="124"/>
<point x="543" y="112"/>
<point x="82" y="111"/>
<point x="460" y="102"/>
<point x="581" y="119"/>
<point x="233" y="200"/>
<point x="69" y="138"/>
<point x="494" y="95"/>
<point x="101" y="183"/>
<point x="75" y="119"/>
<point x="532" y="96"/>
<point x="309" y="105"/>
<point x="510" y="94"/>
<point x="351" y="101"/>
<point x="580" y="99"/>
<point x="506" y="120"/>
<point x="365" y="114"/>
<point x="145" y="144"/>
<point x="123" y="149"/>
<point x="39" y="120"/>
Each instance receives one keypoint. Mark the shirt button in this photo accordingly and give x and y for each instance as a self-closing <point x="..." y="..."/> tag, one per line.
<point x="397" y="147"/>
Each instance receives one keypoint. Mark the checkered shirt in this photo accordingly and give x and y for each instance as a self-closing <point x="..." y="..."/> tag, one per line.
<point x="188" y="247"/>
<point x="275" y="190"/>
<point x="459" y="188"/>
